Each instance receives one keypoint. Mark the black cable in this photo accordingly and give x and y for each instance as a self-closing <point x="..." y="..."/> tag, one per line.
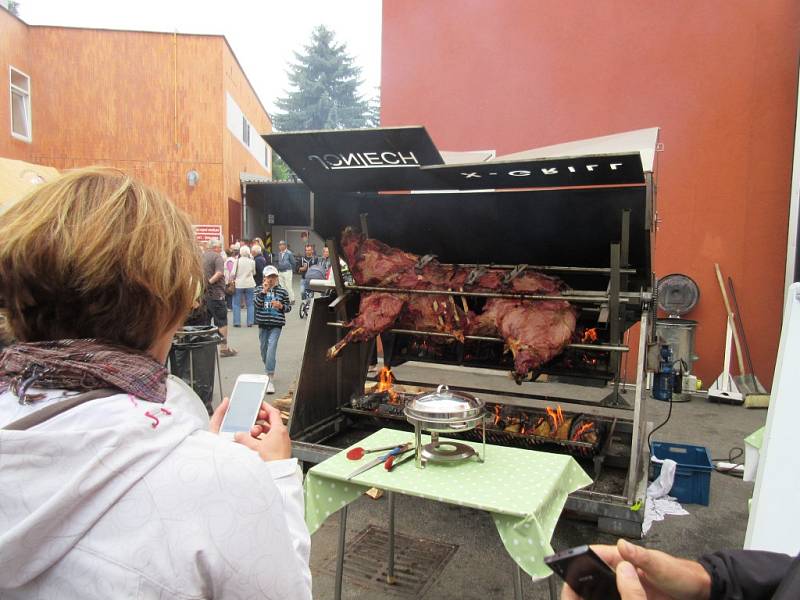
<point x="731" y="459"/>
<point x="669" y="414"/>
<point x="680" y="374"/>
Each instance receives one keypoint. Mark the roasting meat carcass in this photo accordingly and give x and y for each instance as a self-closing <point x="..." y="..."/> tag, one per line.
<point x="534" y="331"/>
<point x="376" y="313"/>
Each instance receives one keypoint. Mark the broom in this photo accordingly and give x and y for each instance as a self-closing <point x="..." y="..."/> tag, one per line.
<point x="745" y="382"/>
<point x="759" y="398"/>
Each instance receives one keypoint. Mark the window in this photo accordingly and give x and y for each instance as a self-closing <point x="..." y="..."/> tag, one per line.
<point x="20" y="104"/>
<point x="245" y="132"/>
<point x="266" y="156"/>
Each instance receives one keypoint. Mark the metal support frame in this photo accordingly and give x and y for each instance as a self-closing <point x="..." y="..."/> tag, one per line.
<point x="341" y="312"/>
<point x="517" y="582"/>
<point x="582" y="296"/>
<point x="390" y="578"/>
<point x="614" y="324"/>
<point x="638" y="414"/>
<point x="482" y="338"/>
<point x="337" y="587"/>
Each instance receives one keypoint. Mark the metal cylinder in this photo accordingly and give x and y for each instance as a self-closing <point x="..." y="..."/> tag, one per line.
<point x="679" y="334"/>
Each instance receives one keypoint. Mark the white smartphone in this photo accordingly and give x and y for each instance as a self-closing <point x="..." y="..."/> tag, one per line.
<point x="248" y="393"/>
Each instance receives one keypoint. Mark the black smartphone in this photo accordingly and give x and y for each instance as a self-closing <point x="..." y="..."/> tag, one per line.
<point x="585" y="572"/>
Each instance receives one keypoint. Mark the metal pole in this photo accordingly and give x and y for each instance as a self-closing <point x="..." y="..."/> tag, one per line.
<point x="483" y="338"/>
<point x="638" y="414"/>
<point x="552" y="587"/>
<point x="390" y="578"/>
<point x="483" y="436"/>
<point x="191" y="368"/>
<point x="244" y="211"/>
<point x="614" y="329"/>
<point x="219" y="372"/>
<point x="337" y="590"/>
<point x="585" y="296"/>
<point x="418" y="445"/>
<point x="517" y="582"/>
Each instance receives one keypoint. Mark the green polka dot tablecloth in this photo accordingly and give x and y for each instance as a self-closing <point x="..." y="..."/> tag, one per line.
<point x="524" y="490"/>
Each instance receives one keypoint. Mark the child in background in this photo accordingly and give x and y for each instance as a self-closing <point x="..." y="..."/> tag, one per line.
<point x="271" y="304"/>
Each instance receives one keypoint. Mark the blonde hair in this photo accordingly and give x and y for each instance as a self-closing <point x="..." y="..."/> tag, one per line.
<point x="96" y="254"/>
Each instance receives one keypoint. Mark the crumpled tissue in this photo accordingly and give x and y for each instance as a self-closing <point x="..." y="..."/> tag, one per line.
<point x="659" y="504"/>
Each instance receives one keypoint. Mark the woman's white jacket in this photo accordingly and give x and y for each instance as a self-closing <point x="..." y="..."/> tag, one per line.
<point x="121" y="498"/>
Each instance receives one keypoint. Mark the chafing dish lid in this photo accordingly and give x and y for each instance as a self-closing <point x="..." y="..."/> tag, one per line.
<point x="444" y="404"/>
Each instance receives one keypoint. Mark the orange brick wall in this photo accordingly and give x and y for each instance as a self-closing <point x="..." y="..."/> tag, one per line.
<point x="151" y="104"/>
<point x="718" y="77"/>
<point x="142" y="102"/>
<point x="237" y="158"/>
<point x="14" y="52"/>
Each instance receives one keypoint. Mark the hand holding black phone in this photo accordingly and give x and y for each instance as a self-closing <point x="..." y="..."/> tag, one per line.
<point x="585" y="572"/>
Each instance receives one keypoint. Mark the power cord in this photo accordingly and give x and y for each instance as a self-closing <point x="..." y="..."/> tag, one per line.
<point x="671" y="400"/>
<point x="650" y="435"/>
<point x="733" y="454"/>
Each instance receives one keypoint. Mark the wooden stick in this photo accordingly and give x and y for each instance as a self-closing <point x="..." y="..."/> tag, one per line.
<point x="739" y="357"/>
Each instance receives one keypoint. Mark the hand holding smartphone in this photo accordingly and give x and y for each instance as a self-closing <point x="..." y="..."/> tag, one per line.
<point x="585" y="572"/>
<point x="236" y="420"/>
<point x="245" y="402"/>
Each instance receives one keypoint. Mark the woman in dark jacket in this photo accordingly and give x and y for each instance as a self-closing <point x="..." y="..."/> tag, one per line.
<point x="644" y="574"/>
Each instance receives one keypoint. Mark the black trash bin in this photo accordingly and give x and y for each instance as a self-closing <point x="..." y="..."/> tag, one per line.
<point x="193" y="358"/>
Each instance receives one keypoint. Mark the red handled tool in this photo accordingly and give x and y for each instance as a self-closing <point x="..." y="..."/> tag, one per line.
<point x="376" y="461"/>
<point x="358" y="452"/>
<point x="393" y="461"/>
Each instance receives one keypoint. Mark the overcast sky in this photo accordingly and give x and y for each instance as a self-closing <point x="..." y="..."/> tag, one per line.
<point x="264" y="34"/>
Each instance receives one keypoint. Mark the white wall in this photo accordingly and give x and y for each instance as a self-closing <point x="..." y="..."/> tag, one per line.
<point x="775" y="513"/>
<point x="257" y="146"/>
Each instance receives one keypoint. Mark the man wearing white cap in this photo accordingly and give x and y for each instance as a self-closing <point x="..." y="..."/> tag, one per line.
<point x="285" y="264"/>
<point x="272" y="304"/>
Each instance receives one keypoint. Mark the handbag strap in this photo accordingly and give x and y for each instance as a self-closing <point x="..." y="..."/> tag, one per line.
<point x="48" y="412"/>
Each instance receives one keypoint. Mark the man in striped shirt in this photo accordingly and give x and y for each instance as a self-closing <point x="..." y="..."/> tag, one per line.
<point x="271" y="304"/>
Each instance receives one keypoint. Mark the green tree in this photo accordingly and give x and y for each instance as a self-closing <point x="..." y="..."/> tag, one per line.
<point x="280" y="170"/>
<point x="374" y="110"/>
<point x="13" y="8"/>
<point x="324" y="94"/>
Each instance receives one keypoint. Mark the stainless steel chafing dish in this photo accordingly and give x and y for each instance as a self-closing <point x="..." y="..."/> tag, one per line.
<point x="445" y="411"/>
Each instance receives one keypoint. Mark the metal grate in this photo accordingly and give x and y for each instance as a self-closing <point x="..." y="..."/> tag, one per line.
<point x="417" y="562"/>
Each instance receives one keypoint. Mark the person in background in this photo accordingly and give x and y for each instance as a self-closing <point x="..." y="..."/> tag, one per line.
<point x="325" y="261"/>
<point x="644" y="574"/>
<point x="127" y="491"/>
<point x="261" y="262"/>
<point x="309" y="259"/>
<point x="230" y="262"/>
<point x="245" y="282"/>
<point x="272" y="304"/>
<point x="285" y="264"/>
<point x="214" y="277"/>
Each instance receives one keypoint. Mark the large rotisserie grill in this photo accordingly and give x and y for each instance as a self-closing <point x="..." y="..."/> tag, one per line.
<point x="537" y="266"/>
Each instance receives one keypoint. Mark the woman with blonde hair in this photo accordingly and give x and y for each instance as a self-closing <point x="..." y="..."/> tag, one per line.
<point x="111" y="484"/>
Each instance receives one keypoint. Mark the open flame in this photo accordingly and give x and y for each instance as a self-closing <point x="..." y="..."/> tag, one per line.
<point x="556" y="417"/>
<point x="385" y="381"/>
<point x="589" y="336"/>
<point x="587" y="426"/>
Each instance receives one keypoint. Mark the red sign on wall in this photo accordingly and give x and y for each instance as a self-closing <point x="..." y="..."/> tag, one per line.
<point x="203" y="233"/>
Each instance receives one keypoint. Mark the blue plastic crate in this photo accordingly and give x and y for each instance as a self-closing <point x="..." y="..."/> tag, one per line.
<point x="693" y="473"/>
